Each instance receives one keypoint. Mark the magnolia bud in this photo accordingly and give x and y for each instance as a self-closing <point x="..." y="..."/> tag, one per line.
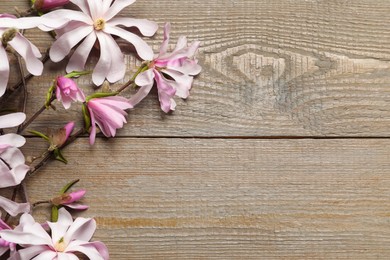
<point x="49" y="4"/>
<point x="59" y="137"/>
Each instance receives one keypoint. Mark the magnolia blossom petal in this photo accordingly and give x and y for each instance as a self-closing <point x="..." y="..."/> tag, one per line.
<point x="12" y="140"/>
<point x="165" y="93"/>
<point x="116" y="102"/>
<point x="20" y="23"/>
<point x="30" y="252"/>
<point x="145" y="80"/>
<point x="59" y="228"/>
<point x="12" y="120"/>
<point x="103" y="66"/>
<point x="118" y="67"/>
<point x="4" y="70"/>
<point x="12" y="207"/>
<point x="182" y="83"/>
<point x="92" y="134"/>
<point x="83" y="5"/>
<point x="164" y="45"/>
<point x="142" y="48"/>
<point x="23" y="47"/>
<point x="86" y="248"/>
<point x="116" y="7"/>
<point x="95" y="9"/>
<point x="47" y="254"/>
<point x="66" y="256"/>
<point x="81" y="229"/>
<point x="62" y="46"/>
<point x="146" y="27"/>
<point x="59" y="18"/>
<point x="77" y="206"/>
<point x="80" y="55"/>
<point x="189" y="67"/>
<point x="13" y="157"/>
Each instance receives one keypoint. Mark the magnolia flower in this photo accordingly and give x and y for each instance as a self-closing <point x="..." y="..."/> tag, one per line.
<point x="108" y="113"/>
<point x="173" y="73"/>
<point x="68" y="91"/>
<point x="67" y="237"/>
<point x="69" y="199"/>
<point x="96" y="22"/>
<point x="10" y="36"/>
<point x="49" y="4"/>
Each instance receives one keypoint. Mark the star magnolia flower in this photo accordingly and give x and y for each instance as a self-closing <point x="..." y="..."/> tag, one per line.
<point x="69" y="199"/>
<point x="68" y="91"/>
<point x="12" y="37"/>
<point x="108" y="113"/>
<point x="96" y="22"/>
<point x="67" y="237"/>
<point x="179" y="65"/>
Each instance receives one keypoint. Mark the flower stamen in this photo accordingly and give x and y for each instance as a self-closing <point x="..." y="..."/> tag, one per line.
<point x="99" y="24"/>
<point x="60" y="246"/>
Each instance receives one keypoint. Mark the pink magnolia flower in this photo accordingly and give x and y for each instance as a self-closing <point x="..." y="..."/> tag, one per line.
<point x="96" y="22"/>
<point x="68" y="91"/>
<point x="69" y="199"/>
<point x="179" y="66"/>
<point x="108" y="113"/>
<point x="49" y="4"/>
<point x="11" y="36"/>
<point x="67" y="237"/>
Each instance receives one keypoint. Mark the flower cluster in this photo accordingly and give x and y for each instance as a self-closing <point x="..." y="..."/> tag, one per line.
<point x="86" y="25"/>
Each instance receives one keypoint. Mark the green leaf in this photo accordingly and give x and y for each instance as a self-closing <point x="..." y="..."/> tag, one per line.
<point x="58" y="156"/>
<point x="49" y="96"/>
<point x="39" y="134"/>
<point x="68" y="186"/>
<point x="75" y="74"/>
<point x="54" y="213"/>
<point x="101" y="95"/>
<point x="87" y="117"/>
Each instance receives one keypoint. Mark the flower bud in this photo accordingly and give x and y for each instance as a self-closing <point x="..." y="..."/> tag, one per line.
<point x="49" y="4"/>
<point x="58" y="138"/>
<point x="69" y="199"/>
<point x="67" y="91"/>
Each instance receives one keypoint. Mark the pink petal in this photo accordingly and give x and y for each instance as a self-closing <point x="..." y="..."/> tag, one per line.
<point x="66" y="256"/>
<point x="31" y="251"/>
<point x="81" y="229"/>
<point x="103" y="251"/>
<point x="182" y="83"/>
<point x="12" y="140"/>
<point x="164" y="45"/>
<point x="59" y="18"/>
<point x="92" y="134"/>
<point x="47" y="255"/>
<point x="118" y="67"/>
<point x="106" y="5"/>
<point x="12" y="207"/>
<point x="103" y="66"/>
<point x="189" y="67"/>
<point x="89" y="249"/>
<point x="75" y="196"/>
<point x="23" y="47"/>
<point x="146" y="27"/>
<point x="83" y="5"/>
<point x="77" y="206"/>
<point x="116" y="7"/>
<point x="4" y="70"/>
<point x="142" y="48"/>
<point x="12" y="120"/>
<point x="145" y="80"/>
<point x="20" y="23"/>
<point x="26" y="237"/>
<point x="59" y="228"/>
<point x="80" y="55"/>
<point x="13" y="157"/>
<point x="95" y="9"/>
<point x="115" y="101"/>
<point x="62" y="46"/>
<point x="68" y="129"/>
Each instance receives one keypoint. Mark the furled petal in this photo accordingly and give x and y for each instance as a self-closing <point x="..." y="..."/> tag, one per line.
<point x="12" y="207"/>
<point x="118" y="67"/>
<point x="142" y="48"/>
<point x="80" y="55"/>
<point x="22" y="46"/>
<point x="62" y="46"/>
<point x="12" y="120"/>
<point x="146" y="27"/>
<point x="145" y="80"/>
<point x="30" y="252"/>
<point x="86" y="248"/>
<point x="182" y="83"/>
<point x="92" y="133"/>
<point x="103" y="66"/>
<point x="12" y="140"/>
<point x="165" y="92"/>
<point x="75" y="196"/>
<point x="116" y="7"/>
<point x="4" y="71"/>
<point x="164" y="45"/>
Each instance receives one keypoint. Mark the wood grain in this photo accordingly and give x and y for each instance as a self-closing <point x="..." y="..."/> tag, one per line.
<point x="231" y="199"/>
<point x="270" y="68"/>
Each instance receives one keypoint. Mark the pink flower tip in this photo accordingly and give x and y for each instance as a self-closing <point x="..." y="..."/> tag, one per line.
<point x="49" y="4"/>
<point x="68" y="129"/>
<point x="67" y="91"/>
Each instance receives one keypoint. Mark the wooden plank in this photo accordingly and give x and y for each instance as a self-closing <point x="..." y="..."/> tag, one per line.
<point x="271" y="68"/>
<point x="230" y="199"/>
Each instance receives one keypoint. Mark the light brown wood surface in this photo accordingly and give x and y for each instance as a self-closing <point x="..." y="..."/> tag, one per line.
<point x="282" y="150"/>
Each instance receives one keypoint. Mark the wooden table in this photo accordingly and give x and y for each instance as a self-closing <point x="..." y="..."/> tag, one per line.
<point x="282" y="150"/>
